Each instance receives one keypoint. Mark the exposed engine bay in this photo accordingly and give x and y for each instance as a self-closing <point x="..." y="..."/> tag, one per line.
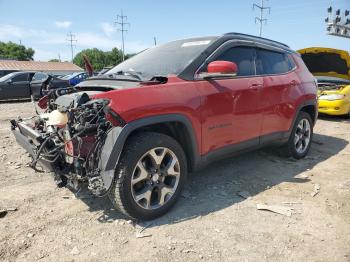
<point x="68" y="137"/>
<point x="330" y="86"/>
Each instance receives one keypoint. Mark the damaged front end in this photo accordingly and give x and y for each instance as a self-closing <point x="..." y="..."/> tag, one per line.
<point x="72" y="139"/>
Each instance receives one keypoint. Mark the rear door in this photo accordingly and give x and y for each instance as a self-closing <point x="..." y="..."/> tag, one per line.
<point x="231" y="107"/>
<point x="37" y="84"/>
<point x="277" y="94"/>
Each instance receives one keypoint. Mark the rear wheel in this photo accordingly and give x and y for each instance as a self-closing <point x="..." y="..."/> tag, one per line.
<point x="300" y="138"/>
<point x="149" y="177"/>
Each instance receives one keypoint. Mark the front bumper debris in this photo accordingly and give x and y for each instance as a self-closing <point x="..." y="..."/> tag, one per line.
<point x="31" y="141"/>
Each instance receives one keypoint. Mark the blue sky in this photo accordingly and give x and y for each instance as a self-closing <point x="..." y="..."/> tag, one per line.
<point x="43" y="25"/>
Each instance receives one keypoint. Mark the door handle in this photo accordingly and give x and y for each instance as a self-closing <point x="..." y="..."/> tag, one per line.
<point x="256" y="85"/>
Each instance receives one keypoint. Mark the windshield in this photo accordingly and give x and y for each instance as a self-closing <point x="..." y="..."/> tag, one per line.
<point x="7" y="77"/>
<point x="163" y="60"/>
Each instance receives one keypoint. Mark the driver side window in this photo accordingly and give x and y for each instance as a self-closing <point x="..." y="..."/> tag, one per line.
<point x="20" y="78"/>
<point x="243" y="57"/>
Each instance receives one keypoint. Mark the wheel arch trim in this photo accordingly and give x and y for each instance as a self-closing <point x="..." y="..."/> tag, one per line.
<point x="119" y="135"/>
<point x="309" y="102"/>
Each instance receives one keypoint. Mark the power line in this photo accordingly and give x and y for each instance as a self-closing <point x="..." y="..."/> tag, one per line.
<point x="261" y="19"/>
<point x="71" y="39"/>
<point x="121" y="22"/>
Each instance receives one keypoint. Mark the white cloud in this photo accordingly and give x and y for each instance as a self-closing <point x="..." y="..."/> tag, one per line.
<point x="89" y="40"/>
<point x="8" y="31"/>
<point x="45" y="55"/>
<point x="92" y="39"/>
<point x="108" y="29"/>
<point x="47" y="44"/>
<point x="63" y="24"/>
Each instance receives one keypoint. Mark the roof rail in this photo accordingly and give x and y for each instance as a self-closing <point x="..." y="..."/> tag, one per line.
<point x="257" y="37"/>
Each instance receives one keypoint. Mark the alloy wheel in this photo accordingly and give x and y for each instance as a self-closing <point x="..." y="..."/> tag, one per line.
<point x="155" y="178"/>
<point x="302" y="136"/>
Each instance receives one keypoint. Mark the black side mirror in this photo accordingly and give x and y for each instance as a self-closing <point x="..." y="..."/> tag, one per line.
<point x="10" y="81"/>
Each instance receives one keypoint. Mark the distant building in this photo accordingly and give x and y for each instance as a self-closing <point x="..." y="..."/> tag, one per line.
<point x="56" y="68"/>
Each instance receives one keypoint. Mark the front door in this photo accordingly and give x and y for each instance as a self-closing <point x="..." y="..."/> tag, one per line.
<point x="231" y="107"/>
<point x="18" y="87"/>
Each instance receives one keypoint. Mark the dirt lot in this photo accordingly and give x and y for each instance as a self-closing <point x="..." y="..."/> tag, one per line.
<point x="210" y="222"/>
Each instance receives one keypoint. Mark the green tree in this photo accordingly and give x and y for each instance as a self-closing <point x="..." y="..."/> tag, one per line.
<point x="114" y="57"/>
<point x="54" y="60"/>
<point x="95" y="56"/>
<point x="127" y="56"/>
<point x="98" y="58"/>
<point x="14" y="51"/>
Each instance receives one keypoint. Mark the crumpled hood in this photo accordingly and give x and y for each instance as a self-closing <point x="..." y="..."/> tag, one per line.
<point x="106" y="84"/>
<point x="94" y="86"/>
<point x="69" y="99"/>
<point x="327" y="61"/>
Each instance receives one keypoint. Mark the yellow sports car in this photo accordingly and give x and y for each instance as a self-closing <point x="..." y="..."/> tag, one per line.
<point x="331" y="67"/>
<point x="334" y="99"/>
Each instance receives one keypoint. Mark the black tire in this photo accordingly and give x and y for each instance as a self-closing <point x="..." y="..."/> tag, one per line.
<point x="121" y="193"/>
<point x="289" y="149"/>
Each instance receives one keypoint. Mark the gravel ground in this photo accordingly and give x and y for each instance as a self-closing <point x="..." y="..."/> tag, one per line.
<point x="210" y="221"/>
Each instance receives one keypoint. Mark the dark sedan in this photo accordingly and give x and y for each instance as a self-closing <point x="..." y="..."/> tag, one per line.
<point x="16" y="85"/>
<point x="21" y="85"/>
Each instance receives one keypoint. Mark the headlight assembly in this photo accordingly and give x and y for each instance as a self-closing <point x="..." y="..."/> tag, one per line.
<point x="332" y="97"/>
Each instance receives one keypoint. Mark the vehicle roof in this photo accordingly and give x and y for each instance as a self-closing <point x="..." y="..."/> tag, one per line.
<point x="70" y="76"/>
<point x="23" y="72"/>
<point x="257" y="39"/>
<point x="240" y="36"/>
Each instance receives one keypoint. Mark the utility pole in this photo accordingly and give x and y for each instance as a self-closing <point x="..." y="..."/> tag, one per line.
<point x="121" y="21"/>
<point x="155" y="41"/>
<point x="59" y="57"/>
<point x="71" y="39"/>
<point x="261" y="19"/>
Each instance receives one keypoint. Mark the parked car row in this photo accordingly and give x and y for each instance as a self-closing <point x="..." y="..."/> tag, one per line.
<point x="23" y="85"/>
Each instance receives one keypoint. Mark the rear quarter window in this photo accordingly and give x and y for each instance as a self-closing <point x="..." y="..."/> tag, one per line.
<point x="273" y="63"/>
<point x="39" y="76"/>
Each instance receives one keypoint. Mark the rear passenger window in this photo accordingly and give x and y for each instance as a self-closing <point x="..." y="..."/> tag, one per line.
<point x="272" y="63"/>
<point x="39" y="76"/>
<point x="243" y="57"/>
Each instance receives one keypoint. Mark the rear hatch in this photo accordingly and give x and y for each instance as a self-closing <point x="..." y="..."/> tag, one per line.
<point x="327" y="62"/>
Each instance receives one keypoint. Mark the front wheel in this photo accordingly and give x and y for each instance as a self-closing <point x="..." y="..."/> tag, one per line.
<point x="300" y="138"/>
<point x="149" y="177"/>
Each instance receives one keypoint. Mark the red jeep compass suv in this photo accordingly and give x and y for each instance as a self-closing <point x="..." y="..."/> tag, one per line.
<point x="136" y="131"/>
